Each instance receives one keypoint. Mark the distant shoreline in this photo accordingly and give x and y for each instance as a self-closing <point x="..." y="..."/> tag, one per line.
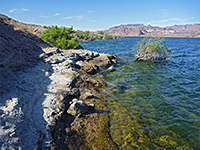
<point x="142" y="30"/>
<point x="138" y="30"/>
<point x="161" y="36"/>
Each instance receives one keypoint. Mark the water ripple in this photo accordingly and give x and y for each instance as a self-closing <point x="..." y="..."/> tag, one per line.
<point x="152" y="105"/>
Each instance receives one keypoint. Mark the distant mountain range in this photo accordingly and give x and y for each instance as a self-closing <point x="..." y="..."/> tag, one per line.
<point x="190" y="30"/>
<point x="142" y="30"/>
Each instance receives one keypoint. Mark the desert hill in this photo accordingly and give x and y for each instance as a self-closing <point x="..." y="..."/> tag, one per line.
<point x="19" y="26"/>
<point x="142" y="30"/>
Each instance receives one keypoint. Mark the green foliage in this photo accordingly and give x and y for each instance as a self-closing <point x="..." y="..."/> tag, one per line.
<point x="151" y="45"/>
<point x="101" y="33"/>
<point x="60" y="37"/>
<point x="108" y="36"/>
<point x="91" y="36"/>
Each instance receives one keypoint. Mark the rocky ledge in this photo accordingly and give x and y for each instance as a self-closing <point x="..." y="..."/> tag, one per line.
<point x="55" y="105"/>
<point x="48" y="96"/>
<point x="78" y="120"/>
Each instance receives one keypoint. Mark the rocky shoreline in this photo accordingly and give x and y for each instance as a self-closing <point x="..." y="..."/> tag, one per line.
<point x="79" y="120"/>
<point x="39" y="101"/>
<point x="48" y="96"/>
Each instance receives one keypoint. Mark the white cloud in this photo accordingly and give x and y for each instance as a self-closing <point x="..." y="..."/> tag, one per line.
<point x="69" y="17"/>
<point x="24" y="9"/>
<point x="80" y="17"/>
<point x="12" y="10"/>
<point x="18" y="10"/>
<point x="57" y="14"/>
<point x="171" y="21"/>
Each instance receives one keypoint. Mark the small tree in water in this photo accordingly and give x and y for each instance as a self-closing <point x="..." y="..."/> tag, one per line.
<point x="152" y="49"/>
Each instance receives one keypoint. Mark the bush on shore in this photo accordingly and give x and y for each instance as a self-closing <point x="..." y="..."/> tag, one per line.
<point x="91" y="36"/>
<point x="60" y="37"/>
<point x="152" y="49"/>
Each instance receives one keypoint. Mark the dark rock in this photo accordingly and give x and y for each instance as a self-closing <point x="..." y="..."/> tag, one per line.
<point x="78" y="107"/>
<point x="155" y="57"/>
<point x="69" y="131"/>
<point x="88" y="95"/>
<point x="92" y="81"/>
<point x="103" y="61"/>
<point x="88" y="67"/>
<point x="1" y="112"/>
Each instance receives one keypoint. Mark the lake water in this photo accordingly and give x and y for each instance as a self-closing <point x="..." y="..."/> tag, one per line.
<point x="153" y="105"/>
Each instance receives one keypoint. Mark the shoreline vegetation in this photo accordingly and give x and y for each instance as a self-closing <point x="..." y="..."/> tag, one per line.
<point x="93" y="36"/>
<point x="152" y="50"/>
<point x="68" y="38"/>
<point x="41" y="84"/>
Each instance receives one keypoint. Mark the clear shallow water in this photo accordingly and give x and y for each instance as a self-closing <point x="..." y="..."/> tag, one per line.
<point x="152" y="105"/>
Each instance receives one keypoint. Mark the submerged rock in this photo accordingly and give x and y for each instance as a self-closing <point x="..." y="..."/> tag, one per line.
<point x="78" y="107"/>
<point x="154" y="57"/>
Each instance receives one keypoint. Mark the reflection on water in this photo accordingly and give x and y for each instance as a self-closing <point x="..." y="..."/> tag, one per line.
<point x="153" y="106"/>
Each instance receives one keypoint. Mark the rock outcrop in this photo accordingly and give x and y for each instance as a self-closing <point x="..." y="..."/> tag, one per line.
<point x="18" y="49"/>
<point x="78" y="107"/>
<point x="19" y="26"/>
<point x="155" y="57"/>
<point x="192" y="30"/>
<point x="38" y="86"/>
<point x="75" y="102"/>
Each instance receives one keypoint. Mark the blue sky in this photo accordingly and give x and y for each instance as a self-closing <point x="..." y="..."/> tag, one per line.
<point x="102" y="14"/>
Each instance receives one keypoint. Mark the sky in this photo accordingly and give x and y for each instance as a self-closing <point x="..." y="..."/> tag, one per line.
<point x="95" y="15"/>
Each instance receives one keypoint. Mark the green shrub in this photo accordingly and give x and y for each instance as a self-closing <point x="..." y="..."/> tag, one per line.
<point x="151" y="45"/>
<point x="108" y="36"/>
<point x="60" y="37"/>
<point x="152" y="50"/>
<point x="101" y="33"/>
<point x="90" y="36"/>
